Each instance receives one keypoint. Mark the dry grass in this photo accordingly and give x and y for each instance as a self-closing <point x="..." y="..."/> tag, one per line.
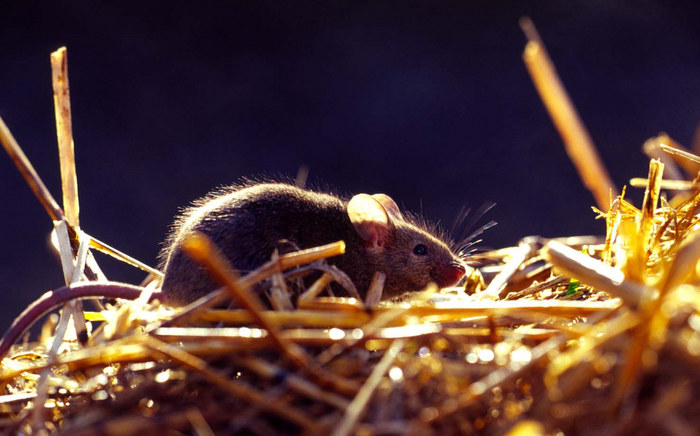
<point x="577" y="335"/>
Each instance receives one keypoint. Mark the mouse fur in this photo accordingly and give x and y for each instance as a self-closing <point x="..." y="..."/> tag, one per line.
<point x="248" y="222"/>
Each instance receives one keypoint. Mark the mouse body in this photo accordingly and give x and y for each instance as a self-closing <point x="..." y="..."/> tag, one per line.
<point x="249" y="222"/>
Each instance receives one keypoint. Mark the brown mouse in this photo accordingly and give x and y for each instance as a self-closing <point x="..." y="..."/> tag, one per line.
<point x="249" y="222"/>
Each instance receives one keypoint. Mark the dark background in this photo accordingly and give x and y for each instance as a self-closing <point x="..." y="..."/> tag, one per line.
<point x="428" y="102"/>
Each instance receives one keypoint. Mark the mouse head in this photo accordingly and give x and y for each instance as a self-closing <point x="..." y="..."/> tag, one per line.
<point x="409" y="255"/>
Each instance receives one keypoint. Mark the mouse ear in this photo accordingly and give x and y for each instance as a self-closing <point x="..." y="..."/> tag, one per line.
<point x="389" y="205"/>
<point x="370" y="220"/>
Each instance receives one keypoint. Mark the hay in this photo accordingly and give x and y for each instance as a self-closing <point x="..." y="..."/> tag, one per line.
<point x="576" y="335"/>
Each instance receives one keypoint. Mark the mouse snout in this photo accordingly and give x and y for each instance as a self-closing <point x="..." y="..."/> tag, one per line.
<point x="449" y="274"/>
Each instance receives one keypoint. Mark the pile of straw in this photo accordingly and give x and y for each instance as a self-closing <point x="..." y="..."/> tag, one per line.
<point x="570" y="335"/>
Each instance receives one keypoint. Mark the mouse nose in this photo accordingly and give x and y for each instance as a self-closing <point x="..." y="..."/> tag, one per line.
<point x="450" y="274"/>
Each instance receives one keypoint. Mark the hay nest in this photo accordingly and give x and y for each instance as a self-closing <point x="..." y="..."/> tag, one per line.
<point x="573" y="335"/>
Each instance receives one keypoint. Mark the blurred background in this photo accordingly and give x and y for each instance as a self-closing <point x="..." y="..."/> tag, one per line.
<point x="427" y="101"/>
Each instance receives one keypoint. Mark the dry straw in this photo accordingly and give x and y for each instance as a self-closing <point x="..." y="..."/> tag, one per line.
<point x="578" y="335"/>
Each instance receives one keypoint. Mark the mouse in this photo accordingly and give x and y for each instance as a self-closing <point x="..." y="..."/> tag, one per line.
<point x="249" y="221"/>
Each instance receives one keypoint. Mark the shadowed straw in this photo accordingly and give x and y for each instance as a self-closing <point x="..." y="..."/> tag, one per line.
<point x="64" y="132"/>
<point x="201" y="249"/>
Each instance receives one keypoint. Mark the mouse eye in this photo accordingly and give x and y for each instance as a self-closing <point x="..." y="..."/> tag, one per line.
<point x="420" y="250"/>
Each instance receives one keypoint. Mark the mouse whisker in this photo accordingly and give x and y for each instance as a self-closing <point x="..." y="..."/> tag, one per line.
<point x="464" y="249"/>
<point x="464" y="211"/>
<point x="476" y="216"/>
<point x="466" y="242"/>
